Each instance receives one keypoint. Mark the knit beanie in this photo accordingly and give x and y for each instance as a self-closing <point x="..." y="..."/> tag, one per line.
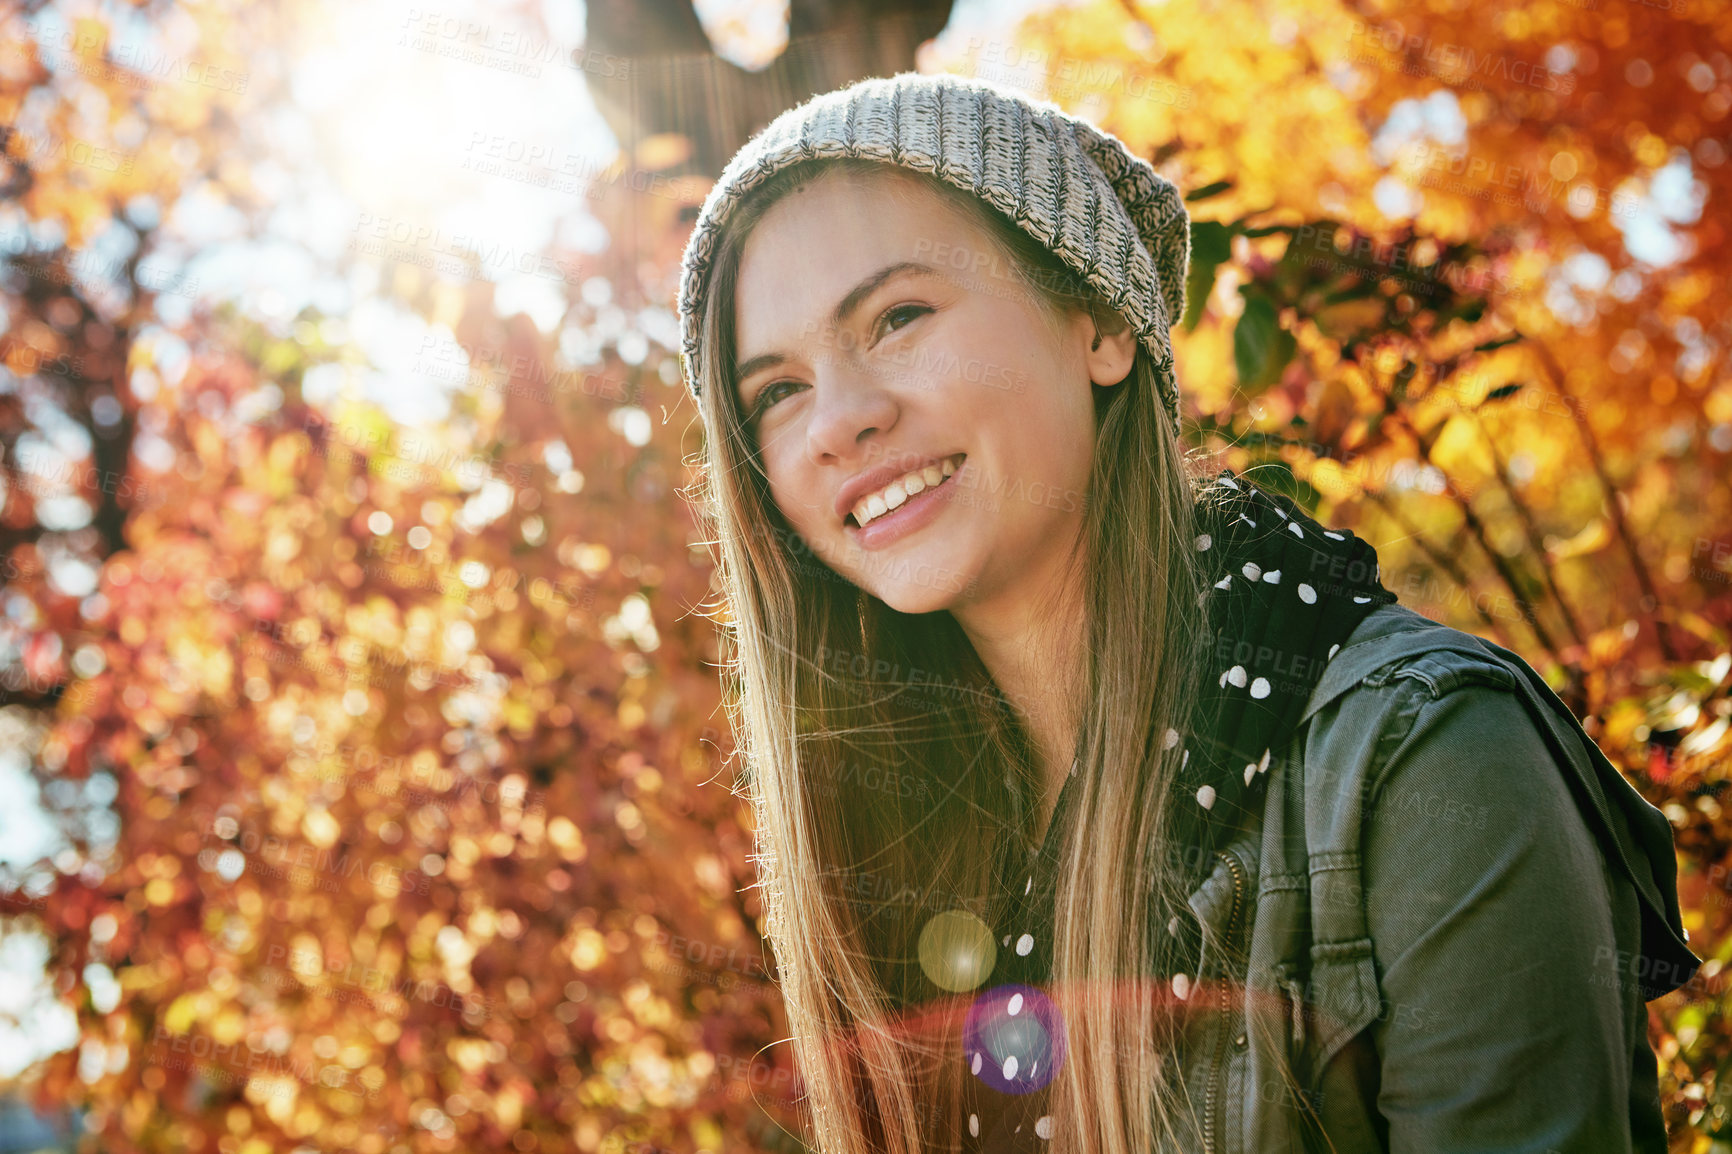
<point x="1106" y="213"/>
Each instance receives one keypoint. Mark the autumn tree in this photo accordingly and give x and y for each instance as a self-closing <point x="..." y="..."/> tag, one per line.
<point x="388" y="758"/>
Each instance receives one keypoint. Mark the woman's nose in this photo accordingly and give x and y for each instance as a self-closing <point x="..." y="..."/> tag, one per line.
<point x="850" y="400"/>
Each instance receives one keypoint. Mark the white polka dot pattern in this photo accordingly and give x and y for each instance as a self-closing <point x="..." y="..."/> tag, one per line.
<point x="1267" y="647"/>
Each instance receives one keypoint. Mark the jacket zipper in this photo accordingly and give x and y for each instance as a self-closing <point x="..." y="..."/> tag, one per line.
<point x="1234" y="868"/>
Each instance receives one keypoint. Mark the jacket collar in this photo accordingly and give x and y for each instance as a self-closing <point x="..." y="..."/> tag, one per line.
<point x="1282" y="593"/>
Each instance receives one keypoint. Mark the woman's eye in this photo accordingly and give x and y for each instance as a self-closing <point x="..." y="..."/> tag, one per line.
<point x="908" y="310"/>
<point x="767" y="395"/>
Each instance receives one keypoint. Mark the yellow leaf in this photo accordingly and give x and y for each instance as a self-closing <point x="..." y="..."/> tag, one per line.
<point x="1591" y="538"/>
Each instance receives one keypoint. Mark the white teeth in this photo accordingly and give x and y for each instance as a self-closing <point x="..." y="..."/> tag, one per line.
<point x="898" y="491"/>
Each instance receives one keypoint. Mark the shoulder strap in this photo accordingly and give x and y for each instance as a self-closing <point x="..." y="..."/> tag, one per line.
<point x="1633" y="833"/>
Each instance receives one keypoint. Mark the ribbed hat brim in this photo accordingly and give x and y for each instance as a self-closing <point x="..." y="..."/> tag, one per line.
<point x="1106" y="213"/>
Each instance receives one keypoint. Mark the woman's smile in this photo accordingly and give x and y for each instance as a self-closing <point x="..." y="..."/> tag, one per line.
<point x="904" y="505"/>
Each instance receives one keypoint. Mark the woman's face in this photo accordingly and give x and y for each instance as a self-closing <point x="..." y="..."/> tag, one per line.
<point x="880" y="332"/>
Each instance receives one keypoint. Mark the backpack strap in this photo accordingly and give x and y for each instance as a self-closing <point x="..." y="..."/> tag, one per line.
<point x="1633" y="834"/>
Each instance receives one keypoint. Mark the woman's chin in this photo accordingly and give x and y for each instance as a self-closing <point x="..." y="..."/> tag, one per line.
<point x="931" y="569"/>
<point x="919" y="597"/>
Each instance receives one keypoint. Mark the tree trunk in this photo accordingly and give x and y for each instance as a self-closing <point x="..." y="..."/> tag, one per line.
<point x="651" y="69"/>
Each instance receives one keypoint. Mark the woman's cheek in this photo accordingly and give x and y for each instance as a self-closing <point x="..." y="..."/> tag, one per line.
<point x="795" y="498"/>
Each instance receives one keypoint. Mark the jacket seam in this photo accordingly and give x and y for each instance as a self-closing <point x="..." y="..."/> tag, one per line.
<point x="1439" y="678"/>
<point x="1350" y="950"/>
<point x="1391" y="742"/>
<point x="1351" y="956"/>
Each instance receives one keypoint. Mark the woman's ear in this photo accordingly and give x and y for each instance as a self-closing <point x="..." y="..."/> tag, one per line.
<point x="1113" y="349"/>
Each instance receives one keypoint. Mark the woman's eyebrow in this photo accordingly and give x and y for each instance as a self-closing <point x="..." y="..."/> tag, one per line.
<point x="845" y="308"/>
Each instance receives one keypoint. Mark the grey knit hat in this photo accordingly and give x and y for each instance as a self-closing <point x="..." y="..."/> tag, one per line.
<point x="1078" y="190"/>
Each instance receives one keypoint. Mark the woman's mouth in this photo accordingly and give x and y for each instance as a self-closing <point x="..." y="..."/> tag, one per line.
<point x="898" y="492"/>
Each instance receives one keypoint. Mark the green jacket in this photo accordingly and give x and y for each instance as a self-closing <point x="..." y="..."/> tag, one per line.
<point x="1445" y="922"/>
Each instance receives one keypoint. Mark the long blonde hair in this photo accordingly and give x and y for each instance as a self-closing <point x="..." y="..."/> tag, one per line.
<point x="849" y="871"/>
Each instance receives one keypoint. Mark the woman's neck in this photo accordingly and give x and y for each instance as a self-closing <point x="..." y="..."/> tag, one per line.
<point x="1033" y="646"/>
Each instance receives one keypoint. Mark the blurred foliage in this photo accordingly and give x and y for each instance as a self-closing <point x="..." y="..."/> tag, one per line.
<point x="389" y="760"/>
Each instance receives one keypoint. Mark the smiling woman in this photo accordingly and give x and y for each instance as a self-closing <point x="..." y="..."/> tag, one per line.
<point x="1168" y="700"/>
<point x="865" y="418"/>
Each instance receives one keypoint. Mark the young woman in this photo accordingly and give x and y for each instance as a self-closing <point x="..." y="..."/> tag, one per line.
<point x="1104" y="807"/>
